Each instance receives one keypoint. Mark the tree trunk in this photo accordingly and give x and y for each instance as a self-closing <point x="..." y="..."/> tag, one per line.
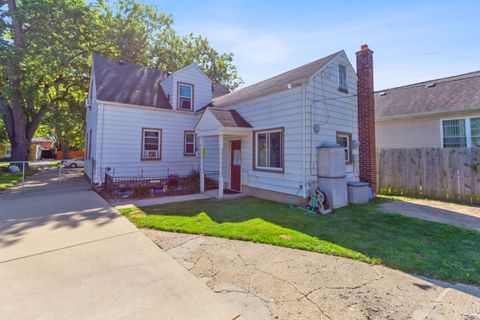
<point x="19" y="141"/>
<point x="65" y="150"/>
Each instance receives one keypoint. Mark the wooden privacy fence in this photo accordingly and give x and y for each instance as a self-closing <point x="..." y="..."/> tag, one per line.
<point x="433" y="173"/>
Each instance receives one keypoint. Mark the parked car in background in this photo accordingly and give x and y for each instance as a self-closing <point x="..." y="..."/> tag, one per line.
<point x="73" y="163"/>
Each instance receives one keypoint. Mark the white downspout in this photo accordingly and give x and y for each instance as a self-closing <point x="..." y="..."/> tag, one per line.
<point x="304" y="135"/>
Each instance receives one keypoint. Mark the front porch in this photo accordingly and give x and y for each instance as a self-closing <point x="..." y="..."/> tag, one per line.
<point x="224" y="125"/>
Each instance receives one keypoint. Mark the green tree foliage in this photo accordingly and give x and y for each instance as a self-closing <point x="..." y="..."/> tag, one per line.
<point x="45" y="57"/>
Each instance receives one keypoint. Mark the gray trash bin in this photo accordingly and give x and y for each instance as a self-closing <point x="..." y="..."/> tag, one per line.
<point x="357" y="192"/>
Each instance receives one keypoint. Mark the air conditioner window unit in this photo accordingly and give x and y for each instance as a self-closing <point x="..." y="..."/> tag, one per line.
<point x="151" y="154"/>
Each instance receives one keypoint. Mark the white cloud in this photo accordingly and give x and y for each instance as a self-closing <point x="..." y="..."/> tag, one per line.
<point x="249" y="45"/>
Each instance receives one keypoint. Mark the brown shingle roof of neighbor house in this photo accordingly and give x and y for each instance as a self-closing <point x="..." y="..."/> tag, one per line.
<point x="451" y="94"/>
<point x="275" y="84"/>
<point x="219" y="90"/>
<point x="121" y="82"/>
<point x="230" y="118"/>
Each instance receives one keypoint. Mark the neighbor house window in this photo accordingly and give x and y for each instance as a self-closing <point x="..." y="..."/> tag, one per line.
<point x="342" y="78"/>
<point x="189" y="143"/>
<point x="151" y="144"/>
<point x="454" y="133"/>
<point x="185" y="96"/>
<point x="475" y="131"/>
<point x="269" y="150"/>
<point x="344" y="140"/>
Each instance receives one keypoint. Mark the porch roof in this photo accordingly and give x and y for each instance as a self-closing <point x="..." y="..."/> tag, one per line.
<point x="216" y="121"/>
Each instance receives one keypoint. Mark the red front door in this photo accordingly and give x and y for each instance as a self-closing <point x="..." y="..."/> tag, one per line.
<point x="235" y="165"/>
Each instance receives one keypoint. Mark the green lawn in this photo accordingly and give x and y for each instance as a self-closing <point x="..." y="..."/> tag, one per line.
<point x="8" y="179"/>
<point x="362" y="233"/>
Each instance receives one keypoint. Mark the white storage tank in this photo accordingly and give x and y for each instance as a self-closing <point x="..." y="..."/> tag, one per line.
<point x="331" y="172"/>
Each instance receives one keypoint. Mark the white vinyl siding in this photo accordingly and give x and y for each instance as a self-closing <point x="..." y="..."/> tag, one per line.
<point x="279" y="110"/>
<point x="333" y="111"/>
<point x="202" y="86"/>
<point x="122" y="141"/>
<point x="418" y="132"/>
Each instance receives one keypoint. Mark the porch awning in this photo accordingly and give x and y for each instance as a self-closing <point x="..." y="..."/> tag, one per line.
<point x="216" y="121"/>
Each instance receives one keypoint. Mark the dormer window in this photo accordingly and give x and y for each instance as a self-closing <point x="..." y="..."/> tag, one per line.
<point x="185" y="96"/>
<point x="342" y="78"/>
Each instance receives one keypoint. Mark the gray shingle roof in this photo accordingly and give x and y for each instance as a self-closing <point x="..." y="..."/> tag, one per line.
<point x="457" y="93"/>
<point x="219" y="90"/>
<point x="273" y="85"/>
<point x="128" y="83"/>
<point x="230" y="118"/>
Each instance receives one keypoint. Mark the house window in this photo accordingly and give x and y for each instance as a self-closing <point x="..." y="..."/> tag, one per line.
<point x="344" y="140"/>
<point x="454" y="133"/>
<point x="185" y="96"/>
<point x="475" y="131"/>
<point x="189" y="143"/>
<point x="151" y="144"/>
<point x="342" y="78"/>
<point x="268" y="150"/>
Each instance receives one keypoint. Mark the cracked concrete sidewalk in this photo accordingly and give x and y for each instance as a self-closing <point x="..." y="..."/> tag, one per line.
<point x="268" y="282"/>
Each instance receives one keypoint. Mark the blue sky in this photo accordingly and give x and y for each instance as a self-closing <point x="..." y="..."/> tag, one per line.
<point x="412" y="40"/>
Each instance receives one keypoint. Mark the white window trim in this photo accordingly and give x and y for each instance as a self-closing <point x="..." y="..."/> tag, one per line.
<point x="348" y="148"/>
<point x="468" y="129"/>
<point x="282" y="150"/>
<point x="179" y="84"/>
<point x="185" y="153"/>
<point x="159" y="150"/>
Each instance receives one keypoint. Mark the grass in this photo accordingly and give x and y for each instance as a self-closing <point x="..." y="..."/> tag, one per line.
<point x="35" y="163"/>
<point x="359" y="232"/>
<point x="8" y="179"/>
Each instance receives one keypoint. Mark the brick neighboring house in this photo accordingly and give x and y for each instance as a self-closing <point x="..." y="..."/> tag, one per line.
<point x="436" y="113"/>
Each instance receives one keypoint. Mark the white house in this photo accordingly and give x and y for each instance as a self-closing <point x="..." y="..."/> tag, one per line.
<point x="146" y="122"/>
<point x="439" y="113"/>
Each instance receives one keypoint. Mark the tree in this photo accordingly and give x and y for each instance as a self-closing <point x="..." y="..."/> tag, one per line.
<point x="45" y="57"/>
<point x="42" y="43"/>
<point x="143" y="35"/>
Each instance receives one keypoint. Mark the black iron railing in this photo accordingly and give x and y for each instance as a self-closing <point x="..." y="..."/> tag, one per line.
<point x="143" y="187"/>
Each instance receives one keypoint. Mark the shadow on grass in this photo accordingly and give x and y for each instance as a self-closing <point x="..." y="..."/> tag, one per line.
<point x="361" y="232"/>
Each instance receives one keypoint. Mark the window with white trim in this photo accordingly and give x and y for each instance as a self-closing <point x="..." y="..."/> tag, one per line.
<point x="454" y="133"/>
<point x="189" y="143"/>
<point x="344" y="140"/>
<point x="185" y="96"/>
<point x="151" y="144"/>
<point x="269" y="150"/>
<point x="475" y="131"/>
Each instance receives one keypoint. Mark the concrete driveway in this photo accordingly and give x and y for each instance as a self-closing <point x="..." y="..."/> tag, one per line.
<point x="269" y="282"/>
<point x="66" y="254"/>
<point x="445" y="212"/>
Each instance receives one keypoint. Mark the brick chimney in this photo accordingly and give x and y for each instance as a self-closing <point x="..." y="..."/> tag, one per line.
<point x="366" y="117"/>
